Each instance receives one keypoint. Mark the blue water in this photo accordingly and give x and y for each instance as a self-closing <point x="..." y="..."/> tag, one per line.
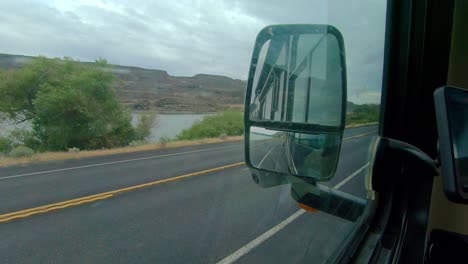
<point x="167" y="125"/>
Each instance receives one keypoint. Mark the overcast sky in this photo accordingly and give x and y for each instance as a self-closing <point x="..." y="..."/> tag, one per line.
<point x="189" y="37"/>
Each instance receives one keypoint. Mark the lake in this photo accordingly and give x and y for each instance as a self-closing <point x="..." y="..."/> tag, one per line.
<point x="168" y="125"/>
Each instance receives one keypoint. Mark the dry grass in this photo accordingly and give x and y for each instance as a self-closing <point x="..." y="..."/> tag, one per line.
<point x="360" y="125"/>
<point x="7" y="161"/>
<point x="236" y="106"/>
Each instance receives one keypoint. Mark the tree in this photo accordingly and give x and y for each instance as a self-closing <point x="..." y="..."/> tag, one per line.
<point x="70" y="104"/>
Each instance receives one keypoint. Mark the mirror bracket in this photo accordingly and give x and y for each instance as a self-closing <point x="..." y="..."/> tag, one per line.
<point x="393" y="156"/>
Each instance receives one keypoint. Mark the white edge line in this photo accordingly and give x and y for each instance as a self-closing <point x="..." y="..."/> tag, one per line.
<point x="129" y="160"/>
<point x="262" y="238"/>
<point x="261" y="162"/>
<point x="114" y="162"/>
<point x="359" y="135"/>
<point x="341" y="183"/>
<point x="346" y="138"/>
<point x="254" y="243"/>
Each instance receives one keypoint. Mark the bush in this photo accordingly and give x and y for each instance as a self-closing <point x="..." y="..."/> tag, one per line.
<point x="21" y="151"/>
<point x="24" y="137"/>
<point x="74" y="150"/>
<point x="145" y="123"/>
<point x="164" y="140"/>
<point x="136" y="143"/>
<point x="5" y="145"/>
<point x="366" y="113"/>
<point x="229" y="123"/>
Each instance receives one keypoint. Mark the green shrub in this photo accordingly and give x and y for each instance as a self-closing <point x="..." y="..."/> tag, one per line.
<point x="20" y="151"/>
<point x="136" y="143"/>
<point x="227" y="123"/>
<point x="5" y="145"/>
<point x="145" y="123"/>
<point x="164" y="140"/>
<point x="74" y="150"/>
<point x="24" y="137"/>
<point x="366" y="113"/>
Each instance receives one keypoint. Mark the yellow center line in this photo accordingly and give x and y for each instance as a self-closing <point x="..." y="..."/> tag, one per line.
<point x="33" y="212"/>
<point x="105" y="195"/>
<point x="101" y="196"/>
<point x="360" y="135"/>
<point x="45" y="207"/>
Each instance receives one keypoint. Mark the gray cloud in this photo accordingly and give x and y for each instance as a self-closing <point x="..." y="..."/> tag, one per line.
<point x="190" y="37"/>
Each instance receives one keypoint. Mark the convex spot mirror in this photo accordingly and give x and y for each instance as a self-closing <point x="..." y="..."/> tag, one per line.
<point x="295" y="103"/>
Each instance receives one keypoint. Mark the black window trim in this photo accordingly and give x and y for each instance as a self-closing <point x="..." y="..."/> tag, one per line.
<point x="416" y="57"/>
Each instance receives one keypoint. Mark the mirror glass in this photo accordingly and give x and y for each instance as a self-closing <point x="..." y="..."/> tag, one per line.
<point x="290" y="153"/>
<point x="296" y="97"/>
<point x="298" y="77"/>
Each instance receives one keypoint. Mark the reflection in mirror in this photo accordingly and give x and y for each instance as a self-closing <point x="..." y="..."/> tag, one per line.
<point x="298" y="78"/>
<point x="303" y="154"/>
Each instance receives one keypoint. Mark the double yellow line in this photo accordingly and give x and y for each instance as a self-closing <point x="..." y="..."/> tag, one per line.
<point x="360" y="135"/>
<point x="101" y="196"/>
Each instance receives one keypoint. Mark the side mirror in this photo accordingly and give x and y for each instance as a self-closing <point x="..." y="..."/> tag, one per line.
<point x="295" y="104"/>
<point x="295" y="112"/>
<point x="451" y="105"/>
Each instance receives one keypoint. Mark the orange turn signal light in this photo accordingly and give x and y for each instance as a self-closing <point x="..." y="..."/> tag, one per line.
<point x="308" y="208"/>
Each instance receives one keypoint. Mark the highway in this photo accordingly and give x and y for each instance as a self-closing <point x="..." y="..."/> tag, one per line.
<point x="194" y="204"/>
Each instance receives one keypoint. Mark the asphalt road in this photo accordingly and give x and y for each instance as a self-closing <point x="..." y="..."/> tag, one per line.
<point x="86" y="211"/>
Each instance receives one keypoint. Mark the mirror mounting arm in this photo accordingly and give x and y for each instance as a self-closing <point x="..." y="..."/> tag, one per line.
<point x="393" y="156"/>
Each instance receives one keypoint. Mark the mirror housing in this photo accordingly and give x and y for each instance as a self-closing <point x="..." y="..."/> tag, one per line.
<point x="295" y="105"/>
<point x="451" y="105"/>
<point x="328" y="200"/>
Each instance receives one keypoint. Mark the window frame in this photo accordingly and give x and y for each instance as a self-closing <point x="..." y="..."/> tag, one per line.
<point x="416" y="57"/>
